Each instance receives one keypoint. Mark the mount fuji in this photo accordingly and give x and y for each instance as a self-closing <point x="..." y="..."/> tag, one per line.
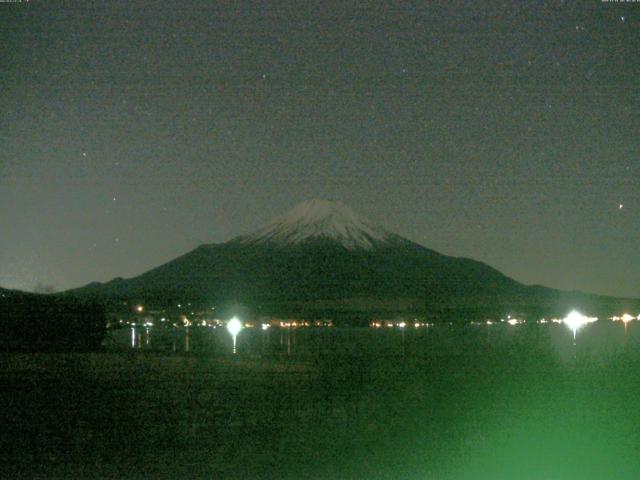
<point x="322" y="260"/>
<point x="321" y="220"/>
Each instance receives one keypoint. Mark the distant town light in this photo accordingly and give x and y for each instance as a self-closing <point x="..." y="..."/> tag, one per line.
<point x="139" y="309"/>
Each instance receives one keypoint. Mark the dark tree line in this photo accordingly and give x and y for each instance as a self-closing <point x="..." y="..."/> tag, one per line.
<point x="30" y="322"/>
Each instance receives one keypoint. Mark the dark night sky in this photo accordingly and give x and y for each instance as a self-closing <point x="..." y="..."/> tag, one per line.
<point x="134" y="131"/>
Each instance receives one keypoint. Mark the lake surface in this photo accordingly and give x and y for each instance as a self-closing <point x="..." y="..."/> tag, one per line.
<point x="477" y="402"/>
<point x="598" y="340"/>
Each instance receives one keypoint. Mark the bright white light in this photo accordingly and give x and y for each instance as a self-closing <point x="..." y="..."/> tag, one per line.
<point x="576" y="320"/>
<point x="512" y="321"/>
<point x="234" y="326"/>
<point x="265" y="326"/>
<point x="139" y="308"/>
<point x="402" y="324"/>
<point x="627" y="318"/>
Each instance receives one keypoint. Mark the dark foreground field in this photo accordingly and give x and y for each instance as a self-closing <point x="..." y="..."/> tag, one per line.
<point x="477" y="412"/>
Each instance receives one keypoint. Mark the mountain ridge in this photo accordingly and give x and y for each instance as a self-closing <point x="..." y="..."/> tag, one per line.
<point x="320" y="258"/>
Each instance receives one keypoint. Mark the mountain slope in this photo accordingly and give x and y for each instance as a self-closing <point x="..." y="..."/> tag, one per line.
<point x="321" y="258"/>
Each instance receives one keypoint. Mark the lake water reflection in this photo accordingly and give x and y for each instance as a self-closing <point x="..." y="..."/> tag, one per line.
<point x="598" y="340"/>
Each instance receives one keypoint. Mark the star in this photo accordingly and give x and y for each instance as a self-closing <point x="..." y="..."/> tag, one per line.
<point x="621" y="206"/>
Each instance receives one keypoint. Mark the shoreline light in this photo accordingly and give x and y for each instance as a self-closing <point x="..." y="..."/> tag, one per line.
<point x="627" y="318"/>
<point x="575" y="320"/>
<point x="234" y="326"/>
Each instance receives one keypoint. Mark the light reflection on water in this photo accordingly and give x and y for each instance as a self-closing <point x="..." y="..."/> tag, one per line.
<point x="599" y="339"/>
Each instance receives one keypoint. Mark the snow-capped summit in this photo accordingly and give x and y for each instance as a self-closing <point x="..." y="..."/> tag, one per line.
<point x="320" y="219"/>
